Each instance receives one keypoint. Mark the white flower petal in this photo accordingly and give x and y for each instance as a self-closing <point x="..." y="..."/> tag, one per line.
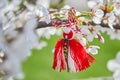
<point x="116" y="75"/>
<point x="99" y="13"/>
<point x="111" y="20"/>
<point x="85" y="30"/>
<point x="83" y="41"/>
<point x="91" y="4"/>
<point x="90" y="37"/>
<point x="96" y="20"/>
<point x="110" y="25"/>
<point x="41" y="45"/>
<point x="77" y="13"/>
<point x="101" y="1"/>
<point x="93" y="49"/>
<point x="118" y="57"/>
<point x="52" y="31"/>
<point x="113" y="65"/>
<point x="66" y="30"/>
<point x="66" y="7"/>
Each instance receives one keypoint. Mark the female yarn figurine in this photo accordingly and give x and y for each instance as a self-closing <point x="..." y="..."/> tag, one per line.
<point x="70" y="55"/>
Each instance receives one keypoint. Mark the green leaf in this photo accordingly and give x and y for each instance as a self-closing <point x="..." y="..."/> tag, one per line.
<point x="86" y="15"/>
<point x="58" y="16"/>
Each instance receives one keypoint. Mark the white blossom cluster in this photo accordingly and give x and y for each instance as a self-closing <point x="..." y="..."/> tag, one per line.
<point x="106" y="13"/>
<point x="114" y="66"/>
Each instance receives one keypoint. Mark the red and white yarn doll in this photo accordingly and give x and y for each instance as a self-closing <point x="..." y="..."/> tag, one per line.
<point x="70" y="55"/>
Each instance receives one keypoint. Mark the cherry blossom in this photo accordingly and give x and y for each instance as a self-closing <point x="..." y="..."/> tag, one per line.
<point x="114" y="34"/>
<point x="97" y="16"/>
<point x="110" y="19"/>
<point x="116" y="6"/>
<point x="114" y="66"/>
<point x="104" y="13"/>
<point x="93" y="49"/>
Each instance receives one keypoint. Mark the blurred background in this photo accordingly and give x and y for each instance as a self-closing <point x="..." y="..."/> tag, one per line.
<point x="39" y="65"/>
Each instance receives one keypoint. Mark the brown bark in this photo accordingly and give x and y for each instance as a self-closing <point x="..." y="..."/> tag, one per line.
<point x="43" y="24"/>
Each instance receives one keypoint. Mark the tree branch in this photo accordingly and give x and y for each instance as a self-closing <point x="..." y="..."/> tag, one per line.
<point x="117" y="26"/>
<point x="43" y="24"/>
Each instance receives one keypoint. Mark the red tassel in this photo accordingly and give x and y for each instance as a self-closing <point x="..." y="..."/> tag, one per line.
<point x="79" y="55"/>
<point x="59" y="58"/>
<point x="70" y="55"/>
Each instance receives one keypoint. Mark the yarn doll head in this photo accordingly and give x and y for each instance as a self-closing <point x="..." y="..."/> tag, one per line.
<point x="68" y="33"/>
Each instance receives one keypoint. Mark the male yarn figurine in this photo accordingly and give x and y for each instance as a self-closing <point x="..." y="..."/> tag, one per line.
<point x="70" y="55"/>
